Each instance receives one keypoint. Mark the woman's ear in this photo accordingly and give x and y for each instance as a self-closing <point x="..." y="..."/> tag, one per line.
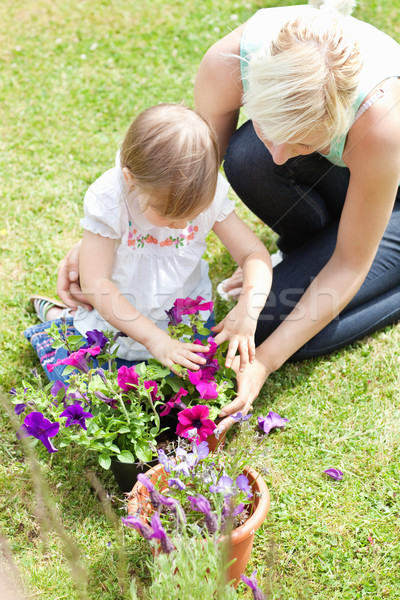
<point x="129" y="178"/>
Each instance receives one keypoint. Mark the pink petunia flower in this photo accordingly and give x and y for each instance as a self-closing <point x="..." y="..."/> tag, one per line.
<point x="76" y="359"/>
<point x="195" y="418"/>
<point x="188" y="306"/>
<point x="206" y="387"/>
<point x="174" y="401"/>
<point x="127" y="378"/>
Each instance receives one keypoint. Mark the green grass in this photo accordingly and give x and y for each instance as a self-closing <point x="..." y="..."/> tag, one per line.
<point x="72" y="76"/>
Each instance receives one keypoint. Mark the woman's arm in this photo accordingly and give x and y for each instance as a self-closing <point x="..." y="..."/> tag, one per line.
<point x="240" y="323"/>
<point x="373" y="157"/>
<point x="95" y="265"/>
<point x="218" y="87"/>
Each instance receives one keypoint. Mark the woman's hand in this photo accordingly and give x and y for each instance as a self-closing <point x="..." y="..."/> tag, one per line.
<point x="68" y="286"/>
<point x="172" y="352"/>
<point x="250" y="383"/>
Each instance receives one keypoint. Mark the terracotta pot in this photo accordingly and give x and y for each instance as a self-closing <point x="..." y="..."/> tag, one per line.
<point x="240" y="542"/>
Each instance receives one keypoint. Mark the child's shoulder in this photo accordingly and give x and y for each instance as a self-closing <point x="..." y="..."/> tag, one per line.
<point x="110" y="180"/>
<point x="221" y="205"/>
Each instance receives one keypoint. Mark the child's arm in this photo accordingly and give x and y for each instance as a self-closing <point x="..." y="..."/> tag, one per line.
<point x="95" y="266"/>
<point x="240" y="323"/>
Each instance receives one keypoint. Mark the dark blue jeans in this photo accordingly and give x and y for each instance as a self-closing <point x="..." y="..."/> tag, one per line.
<point x="302" y="201"/>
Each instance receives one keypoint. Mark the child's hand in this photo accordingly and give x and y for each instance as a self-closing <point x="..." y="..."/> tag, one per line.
<point x="238" y="327"/>
<point x="172" y="352"/>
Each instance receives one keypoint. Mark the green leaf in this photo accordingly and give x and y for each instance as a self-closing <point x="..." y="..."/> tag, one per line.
<point x="68" y="369"/>
<point x="105" y="461"/>
<point x="126" y="457"/>
<point x="143" y="450"/>
<point x="123" y="429"/>
<point x="157" y="369"/>
<point x="114" y="448"/>
<point x="203" y="330"/>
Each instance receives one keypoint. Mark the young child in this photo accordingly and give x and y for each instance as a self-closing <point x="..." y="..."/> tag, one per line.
<point x="145" y="227"/>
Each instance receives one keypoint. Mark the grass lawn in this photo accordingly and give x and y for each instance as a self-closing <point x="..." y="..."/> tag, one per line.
<point x="73" y="74"/>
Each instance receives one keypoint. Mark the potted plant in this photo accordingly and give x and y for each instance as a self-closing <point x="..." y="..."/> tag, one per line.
<point x="123" y="414"/>
<point x="197" y="494"/>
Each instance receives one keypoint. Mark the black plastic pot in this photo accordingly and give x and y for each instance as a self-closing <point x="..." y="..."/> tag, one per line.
<point x="126" y="473"/>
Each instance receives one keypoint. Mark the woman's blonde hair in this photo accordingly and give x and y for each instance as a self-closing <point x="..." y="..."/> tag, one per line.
<point x="172" y="153"/>
<point x="306" y="79"/>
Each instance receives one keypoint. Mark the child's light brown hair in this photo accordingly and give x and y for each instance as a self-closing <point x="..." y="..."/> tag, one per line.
<point x="172" y="153"/>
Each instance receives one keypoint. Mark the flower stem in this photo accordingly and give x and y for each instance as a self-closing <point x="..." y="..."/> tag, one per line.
<point x="124" y="408"/>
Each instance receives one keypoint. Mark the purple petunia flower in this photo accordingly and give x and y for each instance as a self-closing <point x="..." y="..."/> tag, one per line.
<point x="251" y="582"/>
<point x="271" y="421"/>
<point x="101" y="374"/>
<point x="110" y="401"/>
<point x="76" y="415"/>
<point x="243" y="484"/>
<point x="36" y="425"/>
<point x="195" y="418"/>
<point x="19" y="409"/>
<point x="76" y="359"/>
<point x="57" y="386"/>
<point x="240" y="418"/>
<point x="96" y="338"/>
<point x="159" y="533"/>
<point x="127" y="378"/>
<point x="174" y="316"/>
<point x="334" y="474"/>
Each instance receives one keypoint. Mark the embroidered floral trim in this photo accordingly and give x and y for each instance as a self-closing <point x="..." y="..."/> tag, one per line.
<point x="138" y="240"/>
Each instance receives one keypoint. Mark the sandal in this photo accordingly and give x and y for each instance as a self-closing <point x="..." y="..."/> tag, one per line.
<point x="42" y="305"/>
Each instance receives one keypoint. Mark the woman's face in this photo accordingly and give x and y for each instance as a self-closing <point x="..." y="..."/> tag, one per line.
<point x="282" y="152"/>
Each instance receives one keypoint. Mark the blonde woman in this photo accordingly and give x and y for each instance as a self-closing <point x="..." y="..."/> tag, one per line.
<point x="319" y="163"/>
